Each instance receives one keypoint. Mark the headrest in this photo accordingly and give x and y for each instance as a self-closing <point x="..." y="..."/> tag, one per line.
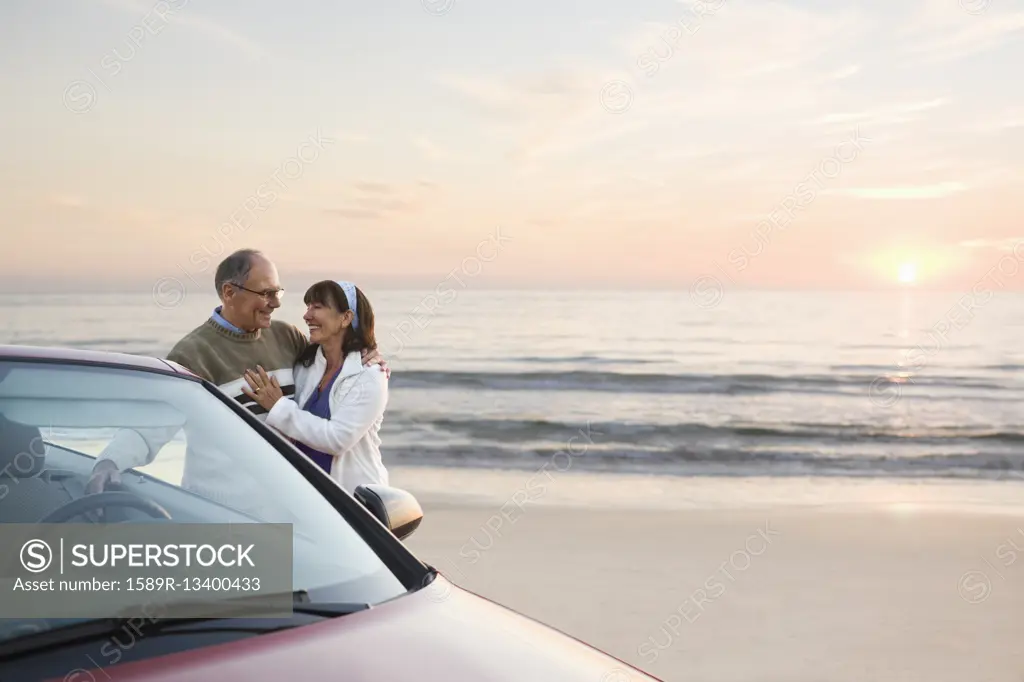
<point x="22" y="452"/>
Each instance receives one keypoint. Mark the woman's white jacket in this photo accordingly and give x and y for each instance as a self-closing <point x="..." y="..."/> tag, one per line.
<point x="358" y="400"/>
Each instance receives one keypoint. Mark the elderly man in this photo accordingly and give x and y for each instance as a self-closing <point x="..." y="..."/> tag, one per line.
<point x="238" y="335"/>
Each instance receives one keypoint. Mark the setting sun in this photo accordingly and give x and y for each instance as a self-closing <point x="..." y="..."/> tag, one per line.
<point x="912" y="266"/>
<point x="908" y="273"/>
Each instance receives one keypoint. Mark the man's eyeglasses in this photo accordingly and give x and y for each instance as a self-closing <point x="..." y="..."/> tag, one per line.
<point x="267" y="294"/>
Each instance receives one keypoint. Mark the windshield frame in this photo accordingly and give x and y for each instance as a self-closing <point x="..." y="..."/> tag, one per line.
<point x="410" y="571"/>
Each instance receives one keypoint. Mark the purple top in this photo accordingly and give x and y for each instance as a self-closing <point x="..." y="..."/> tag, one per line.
<point x="319" y="404"/>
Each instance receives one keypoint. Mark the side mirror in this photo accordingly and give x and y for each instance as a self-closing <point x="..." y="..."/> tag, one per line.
<point x="397" y="509"/>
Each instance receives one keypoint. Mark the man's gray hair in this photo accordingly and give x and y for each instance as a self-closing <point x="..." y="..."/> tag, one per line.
<point x="235" y="268"/>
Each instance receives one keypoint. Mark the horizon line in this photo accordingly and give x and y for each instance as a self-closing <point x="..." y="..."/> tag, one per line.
<point x="582" y="288"/>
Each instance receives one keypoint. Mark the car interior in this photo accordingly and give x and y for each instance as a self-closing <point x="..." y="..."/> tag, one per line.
<point x="29" y="490"/>
<point x="45" y="483"/>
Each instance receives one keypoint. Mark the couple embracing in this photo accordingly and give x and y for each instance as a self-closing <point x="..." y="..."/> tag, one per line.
<point x="327" y="392"/>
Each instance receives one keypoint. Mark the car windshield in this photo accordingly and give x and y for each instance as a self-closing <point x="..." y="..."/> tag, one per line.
<point x="187" y="450"/>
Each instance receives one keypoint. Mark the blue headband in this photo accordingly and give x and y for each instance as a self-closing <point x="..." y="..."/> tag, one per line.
<point x="350" y="294"/>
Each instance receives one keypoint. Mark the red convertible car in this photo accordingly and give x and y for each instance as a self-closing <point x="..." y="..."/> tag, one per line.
<point x="364" y="608"/>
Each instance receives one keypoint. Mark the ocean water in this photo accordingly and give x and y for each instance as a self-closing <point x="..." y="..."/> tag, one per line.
<point x="906" y="384"/>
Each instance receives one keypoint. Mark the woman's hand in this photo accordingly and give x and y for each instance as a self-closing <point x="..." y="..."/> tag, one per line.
<point x="265" y="389"/>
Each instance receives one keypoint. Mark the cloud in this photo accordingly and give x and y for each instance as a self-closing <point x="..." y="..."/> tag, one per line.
<point x="902" y="192"/>
<point x="545" y="115"/>
<point x="513" y="95"/>
<point x="388" y="204"/>
<point x="646" y="180"/>
<point x="997" y="177"/>
<point x="741" y="39"/>
<point x="1007" y="244"/>
<point x="373" y="187"/>
<point x="357" y="213"/>
<point x="898" y="113"/>
<point x="739" y="70"/>
<point x="564" y="136"/>
<point x="883" y="123"/>
<point x="557" y="110"/>
<point x="347" y="136"/>
<point x="182" y="12"/>
<point x="430" y="150"/>
<point x="491" y="95"/>
<point x="844" y="73"/>
<point x="67" y="201"/>
<point x="373" y="200"/>
<point x="943" y="37"/>
<point x="757" y="81"/>
<point x="998" y="123"/>
<point x="742" y="171"/>
<point x="86" y="209"/>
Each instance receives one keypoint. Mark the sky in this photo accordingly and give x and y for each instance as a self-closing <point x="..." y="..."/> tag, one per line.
<point x="807" y="144"/>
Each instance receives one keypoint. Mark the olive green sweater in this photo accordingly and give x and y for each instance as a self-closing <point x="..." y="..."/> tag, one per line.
<point x="221" y="356"/>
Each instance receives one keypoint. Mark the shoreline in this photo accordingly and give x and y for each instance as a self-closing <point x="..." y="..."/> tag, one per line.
<point x="692" y="470"/>
<point x="549" y="487"/>
<point x="555" y="483"/>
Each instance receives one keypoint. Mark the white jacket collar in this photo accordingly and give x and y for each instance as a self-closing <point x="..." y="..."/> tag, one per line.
<point x="352" y="364"/>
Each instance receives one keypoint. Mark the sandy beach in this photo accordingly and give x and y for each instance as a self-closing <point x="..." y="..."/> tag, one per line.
<point x="745" y="580"/>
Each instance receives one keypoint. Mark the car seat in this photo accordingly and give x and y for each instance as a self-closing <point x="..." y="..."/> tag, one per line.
<point x="26" y="492"/>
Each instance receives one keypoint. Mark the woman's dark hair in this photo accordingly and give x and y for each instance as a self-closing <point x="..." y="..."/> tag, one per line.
<point x="330" y="293"/>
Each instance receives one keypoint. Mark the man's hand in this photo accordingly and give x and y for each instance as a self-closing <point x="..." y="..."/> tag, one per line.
<point x="372" y="357"/>
<point x="103" y="474"/>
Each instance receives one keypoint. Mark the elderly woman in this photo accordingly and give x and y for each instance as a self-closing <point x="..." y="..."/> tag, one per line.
<point x="339" y="402"/>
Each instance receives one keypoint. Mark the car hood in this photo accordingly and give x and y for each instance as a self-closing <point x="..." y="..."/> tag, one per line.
<point x="438" y="633"/>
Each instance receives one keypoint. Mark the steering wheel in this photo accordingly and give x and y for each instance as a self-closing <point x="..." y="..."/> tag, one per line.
<point x="106" y="499"/>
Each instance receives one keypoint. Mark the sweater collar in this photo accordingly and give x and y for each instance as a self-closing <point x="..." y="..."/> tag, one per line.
<point x="222" y="321"/>
<point x="224" y="331"/>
